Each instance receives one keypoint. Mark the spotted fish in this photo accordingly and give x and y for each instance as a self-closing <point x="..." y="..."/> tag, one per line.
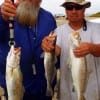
<point x="78" y="67"/>
<point x="14" y="75"/>
<point x="50" y="70"/>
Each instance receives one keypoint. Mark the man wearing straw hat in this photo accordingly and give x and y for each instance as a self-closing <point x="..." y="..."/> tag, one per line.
<point x="89" y="48"/>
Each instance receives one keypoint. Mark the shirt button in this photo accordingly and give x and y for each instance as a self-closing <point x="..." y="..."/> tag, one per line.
<point x="34" y="38"/>
<point x="30" y="27"/>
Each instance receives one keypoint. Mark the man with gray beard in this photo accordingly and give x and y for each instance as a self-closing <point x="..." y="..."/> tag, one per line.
<point x="31" y="24"/>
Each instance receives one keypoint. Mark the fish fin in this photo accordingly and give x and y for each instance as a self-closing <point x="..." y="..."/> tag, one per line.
<point x="42" y="55"/>
<point x="49" y="91"/>
<point x="73" y="89"/>
<point x="81" y="97"/>
<point x="69" y="62"/>
<point x="57" y="86"/>
<point x="54" y="75"/>
<point x="55" y="60"/>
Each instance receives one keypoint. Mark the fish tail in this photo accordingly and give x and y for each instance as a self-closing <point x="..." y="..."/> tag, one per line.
<point x="49" y="91"/>
<point x="81" y="97"/>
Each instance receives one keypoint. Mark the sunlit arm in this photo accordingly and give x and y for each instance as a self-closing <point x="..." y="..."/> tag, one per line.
<point x="87" y="48"/>
<point x="95" y="50"/>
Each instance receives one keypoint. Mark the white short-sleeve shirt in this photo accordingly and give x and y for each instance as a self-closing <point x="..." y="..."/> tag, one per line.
<point x="92" y="34"/>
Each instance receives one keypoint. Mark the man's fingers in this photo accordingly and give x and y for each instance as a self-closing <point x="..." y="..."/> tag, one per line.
<point x="8" y="9"/>
<point x="8" y="5"/>
<point x="8" y="1"/>
<point x="80" y="52"/>
<point x="47" y="44"/>
<point x="52" y="34"/>
<point x="47" y="48"/>
<point x="8" y="14"/>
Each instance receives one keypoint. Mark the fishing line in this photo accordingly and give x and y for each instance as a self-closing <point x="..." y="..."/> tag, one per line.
<point x="11" y="29"/>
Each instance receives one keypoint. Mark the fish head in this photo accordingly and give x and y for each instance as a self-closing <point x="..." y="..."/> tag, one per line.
<point x="13" y="58"/>
<point x="54" y="36"/>
<point x="75" y="39"/>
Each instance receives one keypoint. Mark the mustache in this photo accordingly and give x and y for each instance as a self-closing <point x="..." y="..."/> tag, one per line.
<point x="27" y="13"/>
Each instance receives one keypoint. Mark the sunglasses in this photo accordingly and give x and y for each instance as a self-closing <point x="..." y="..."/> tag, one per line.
<point x="75" y="6"/>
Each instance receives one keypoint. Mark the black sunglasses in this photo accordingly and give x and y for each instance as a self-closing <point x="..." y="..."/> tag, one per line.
<point x="75" y="6"/>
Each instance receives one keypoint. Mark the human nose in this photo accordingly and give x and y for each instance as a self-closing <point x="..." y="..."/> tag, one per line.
<point x="73" y="10"/>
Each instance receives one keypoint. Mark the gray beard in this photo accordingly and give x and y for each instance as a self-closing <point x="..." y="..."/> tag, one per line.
<point x="27" y="13"/>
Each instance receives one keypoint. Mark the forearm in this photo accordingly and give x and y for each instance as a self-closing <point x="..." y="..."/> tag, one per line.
<point x="95" y="50"/>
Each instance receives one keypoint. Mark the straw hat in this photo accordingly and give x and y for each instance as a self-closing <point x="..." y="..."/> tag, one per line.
<point x="87" y="4"/>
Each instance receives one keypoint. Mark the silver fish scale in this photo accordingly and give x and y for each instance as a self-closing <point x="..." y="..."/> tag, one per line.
<point x="78" y="69"/>
<point x="14" y="75"/>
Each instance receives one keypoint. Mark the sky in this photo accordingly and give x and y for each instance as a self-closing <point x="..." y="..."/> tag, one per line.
<point x="54" y="6"/>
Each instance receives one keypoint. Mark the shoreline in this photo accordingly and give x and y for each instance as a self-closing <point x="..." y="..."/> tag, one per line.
<point x="62" y="20"/>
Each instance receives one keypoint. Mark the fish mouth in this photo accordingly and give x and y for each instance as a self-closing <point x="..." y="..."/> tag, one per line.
<point x="16" y="50"/>
<point x="76" y="35"/>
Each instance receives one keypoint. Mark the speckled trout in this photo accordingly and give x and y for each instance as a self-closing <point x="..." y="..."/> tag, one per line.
<point x="78" y="67"/>
<point x="14" y="75"/>
<point x="50" y="70"/>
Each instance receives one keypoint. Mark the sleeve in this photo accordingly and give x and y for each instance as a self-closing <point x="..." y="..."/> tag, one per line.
<point x="4" y="29"/>
<point x="3" y="23"/>
<point x="96" y="34"/>
<point x="53" y="23"/>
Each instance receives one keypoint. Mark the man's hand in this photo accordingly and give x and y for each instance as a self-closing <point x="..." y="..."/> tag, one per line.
<point x="8" y="9"/>
<point x="83" y="50"/>
<point x="47" y="43"/>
